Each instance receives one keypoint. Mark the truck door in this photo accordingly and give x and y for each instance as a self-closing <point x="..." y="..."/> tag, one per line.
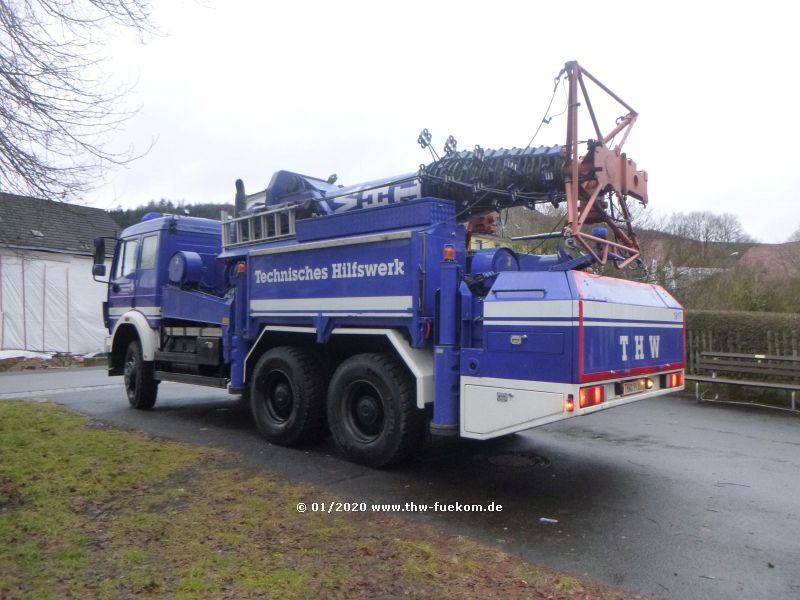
<point x="122" y="287"/>
<point x="147" y="277"/>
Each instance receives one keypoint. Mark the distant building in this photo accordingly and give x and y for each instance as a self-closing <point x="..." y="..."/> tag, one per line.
<point x="480" y="241"/>
<point x="48" y="300"/>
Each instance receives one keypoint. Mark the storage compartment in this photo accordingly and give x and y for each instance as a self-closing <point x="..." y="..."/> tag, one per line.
<point x="488" y="411"/>
<point x="525" y="341"/>
<point x="573" y="327"/>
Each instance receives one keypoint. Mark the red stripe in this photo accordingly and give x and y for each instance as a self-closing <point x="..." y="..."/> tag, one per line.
<point x="623" y="373"/>
<point x="684" y="334"/>
<point x="580" y="340"/>
<point x="576" y="277"/>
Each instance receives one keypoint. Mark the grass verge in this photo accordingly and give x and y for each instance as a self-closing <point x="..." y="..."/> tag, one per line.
<point x="90" y="511"/>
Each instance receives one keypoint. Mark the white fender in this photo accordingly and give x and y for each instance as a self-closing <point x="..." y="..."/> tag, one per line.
<point x="419" y="362"/>
<point x="147" y="335"/>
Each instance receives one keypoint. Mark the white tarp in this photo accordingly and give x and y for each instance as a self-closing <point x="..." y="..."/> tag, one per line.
<point x="49" y="303"/>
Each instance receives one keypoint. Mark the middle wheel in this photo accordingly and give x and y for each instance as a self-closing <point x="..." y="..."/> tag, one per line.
<point x="287" y="396"/>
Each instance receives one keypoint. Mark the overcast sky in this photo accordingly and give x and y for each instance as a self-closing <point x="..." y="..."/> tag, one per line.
<point x="240" y="89"/>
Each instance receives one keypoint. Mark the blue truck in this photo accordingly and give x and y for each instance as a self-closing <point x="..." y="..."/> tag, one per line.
<point x="362" y="311"/>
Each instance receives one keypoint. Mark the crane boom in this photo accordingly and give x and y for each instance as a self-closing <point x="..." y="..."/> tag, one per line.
<point x="594" y="184"/>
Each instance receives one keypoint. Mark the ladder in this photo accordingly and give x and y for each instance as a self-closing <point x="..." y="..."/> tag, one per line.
<point x="277" y="223"/>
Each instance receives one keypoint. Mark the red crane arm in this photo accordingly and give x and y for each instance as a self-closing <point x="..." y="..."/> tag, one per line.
<point x="603" y="171"/>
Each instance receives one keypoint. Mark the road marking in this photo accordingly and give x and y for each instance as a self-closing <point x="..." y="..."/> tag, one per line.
<point x="55" y="391"/>
<point x="36" y="393"/>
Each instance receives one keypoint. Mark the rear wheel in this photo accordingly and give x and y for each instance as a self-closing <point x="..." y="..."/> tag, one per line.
<point x="287" y="396"/>
<point x="140" y="386"/>
<point x="372" y="410"/>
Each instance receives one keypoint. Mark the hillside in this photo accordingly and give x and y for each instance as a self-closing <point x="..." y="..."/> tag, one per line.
<point x="128" y="216"/>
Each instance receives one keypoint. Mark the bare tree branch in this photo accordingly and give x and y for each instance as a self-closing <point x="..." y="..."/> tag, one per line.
<point x="58" y="111"/>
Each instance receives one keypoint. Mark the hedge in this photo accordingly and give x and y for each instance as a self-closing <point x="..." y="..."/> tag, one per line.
<point x="747" y="333"/>
<point x="744" y="332"/>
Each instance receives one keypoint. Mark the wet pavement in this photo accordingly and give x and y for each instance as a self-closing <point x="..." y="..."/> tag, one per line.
<point x="665" y="496"/>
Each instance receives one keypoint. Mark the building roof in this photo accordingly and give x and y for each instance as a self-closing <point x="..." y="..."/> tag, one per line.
<point x="36" y="224"/>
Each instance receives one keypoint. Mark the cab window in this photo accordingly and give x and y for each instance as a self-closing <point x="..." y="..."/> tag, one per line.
<point x="149" y="251"/>
<point x="126" y="260"/>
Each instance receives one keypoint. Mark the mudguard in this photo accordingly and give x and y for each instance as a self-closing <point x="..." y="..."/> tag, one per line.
<point x="147" y="335"/>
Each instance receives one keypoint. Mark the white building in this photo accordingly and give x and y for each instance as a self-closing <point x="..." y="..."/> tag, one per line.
<point x="48" y="300"/>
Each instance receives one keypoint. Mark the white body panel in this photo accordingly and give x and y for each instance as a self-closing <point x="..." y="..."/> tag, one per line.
<point x="493" y="407"/>
<point x="147" y="335"/>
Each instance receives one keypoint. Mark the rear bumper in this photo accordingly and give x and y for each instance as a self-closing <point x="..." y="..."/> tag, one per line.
<point x="492" y="407"/>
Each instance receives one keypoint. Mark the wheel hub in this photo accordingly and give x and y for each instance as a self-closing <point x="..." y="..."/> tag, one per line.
<point x="280" y="400"/>
<point x="282" y="397"/>
<point x="130" y="374"/>
<point x="367" y="410"/>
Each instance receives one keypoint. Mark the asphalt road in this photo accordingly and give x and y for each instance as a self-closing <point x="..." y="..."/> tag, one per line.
<point x="664" y="496"/>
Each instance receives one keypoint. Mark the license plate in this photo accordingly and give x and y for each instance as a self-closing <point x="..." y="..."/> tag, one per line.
<point x="632" y="387"/>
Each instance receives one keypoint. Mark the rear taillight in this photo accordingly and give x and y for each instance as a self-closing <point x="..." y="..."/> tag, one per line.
<point x="569" y="405"/>
<point x="591" y="396"/>
<point x="673" y="379"/>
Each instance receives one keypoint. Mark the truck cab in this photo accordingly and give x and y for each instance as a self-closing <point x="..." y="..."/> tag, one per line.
<point x="148" y="257"/>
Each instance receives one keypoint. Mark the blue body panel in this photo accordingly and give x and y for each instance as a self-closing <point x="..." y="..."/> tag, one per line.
<point x="570" y="327"/>
<point x="341" y="277"/>
<point x="628" y="327"/>
<point x="446" y="352"/>
<point x="282" y="283"/>
<point x="194" y="306"/>
<point x="537" y="305"/>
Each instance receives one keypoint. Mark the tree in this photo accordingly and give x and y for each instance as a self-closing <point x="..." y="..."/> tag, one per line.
<point x="704" y="238"/>
<point x="57" y="110"/>
<point x="682" y="250"/>
<point x="795" y="237"/>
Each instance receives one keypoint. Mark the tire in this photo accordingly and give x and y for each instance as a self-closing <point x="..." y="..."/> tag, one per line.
<point x="287" y="396"/>
<point x="372" y="410"/>
<point x="140" y="386"/>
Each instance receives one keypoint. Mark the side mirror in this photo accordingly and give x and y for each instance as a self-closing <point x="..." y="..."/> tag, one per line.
<point x="98" y="270"/>
<point x="99" y="253"/>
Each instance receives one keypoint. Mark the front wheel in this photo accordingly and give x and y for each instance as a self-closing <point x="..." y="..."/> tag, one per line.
<point x="372" y="410"/>
<point x="140" y="385"/>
